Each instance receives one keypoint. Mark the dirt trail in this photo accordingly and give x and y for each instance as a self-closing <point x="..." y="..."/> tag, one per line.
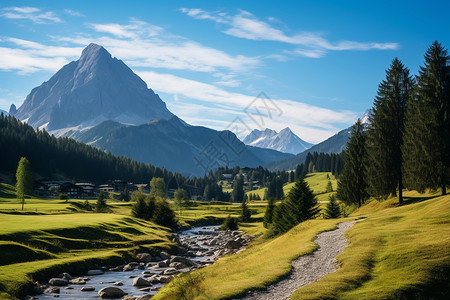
<point x="308" y="268"/>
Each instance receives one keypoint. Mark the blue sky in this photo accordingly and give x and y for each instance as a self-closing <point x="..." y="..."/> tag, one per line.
<point x="319" y="61"/>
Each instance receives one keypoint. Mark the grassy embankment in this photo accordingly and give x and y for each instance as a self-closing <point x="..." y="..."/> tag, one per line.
<point x="397" y="252"/>
<point x="33" y="247"/>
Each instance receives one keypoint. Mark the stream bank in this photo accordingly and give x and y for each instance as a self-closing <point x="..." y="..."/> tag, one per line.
<point x="146" y="274"/>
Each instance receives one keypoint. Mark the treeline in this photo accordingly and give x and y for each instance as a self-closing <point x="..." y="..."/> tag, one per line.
<point x="64" y="158"/>
<point x="321" y="162"/>
<point x="406" y="143"/>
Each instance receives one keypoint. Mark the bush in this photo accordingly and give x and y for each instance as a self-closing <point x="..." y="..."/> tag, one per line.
<point x="101" y="203"/>
<point x="229" y="224"/>
<point x="63" y="196"/>
<point x="87" y="205"/>
<point x="164" y="215"/>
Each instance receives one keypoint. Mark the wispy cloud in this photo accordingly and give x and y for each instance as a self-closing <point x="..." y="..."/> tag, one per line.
<point x="29" y="57"/>
<point x="73" y="13"/>
<point x="310" y="122"/>
<point x="311" y="44"/>
<point x="138" y="43"/>
<point x="33" y="14"/>
<point x="144" y="45"/>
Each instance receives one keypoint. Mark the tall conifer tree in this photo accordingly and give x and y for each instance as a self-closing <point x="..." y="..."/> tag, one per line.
<point x="352" y="184"/>
<point x="385" y="132"/>
<point x="426" y="150"/>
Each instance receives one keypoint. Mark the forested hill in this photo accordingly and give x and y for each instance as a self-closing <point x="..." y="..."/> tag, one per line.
<point x="66" y="158"/>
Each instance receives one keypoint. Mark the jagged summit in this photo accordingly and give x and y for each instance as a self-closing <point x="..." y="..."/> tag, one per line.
<point x="284" y="141"/>
<point x="86" y="92"/>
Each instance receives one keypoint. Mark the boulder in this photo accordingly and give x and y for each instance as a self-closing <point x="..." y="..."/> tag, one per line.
<point x="144" y="257"/>
<point x="165" y="279"/>
<point x="234" y="245"/>
<point x="111" y="292"/>
<point x="170" y="271"/>
<point x="87" y="289"/>
<point x="139" y="281"/>
<point x="58" y="282"/>
<point x="183" y="260"/>
<point x="129" y="297"/>
<point x="52" y="290"/>
<point x="78" y="281"/>
<point x="65" y="276"/>
<point x="162" y="264"/>
<point x="95" y="272"/>
<point x="178" y="265"/>
<point x="128" y="267"/>
<point x="118" y="283"/>
<point x="164" y="255"/>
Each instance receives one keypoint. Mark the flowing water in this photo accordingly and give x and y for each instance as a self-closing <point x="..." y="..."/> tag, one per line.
<point x="73" y="291"/>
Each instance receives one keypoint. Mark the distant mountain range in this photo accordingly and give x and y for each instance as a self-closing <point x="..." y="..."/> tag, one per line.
<point x="285" y="141"/>
<point x="98" y="100"/>
<point x="334" y="144"/>
<point x="177" y="146"/>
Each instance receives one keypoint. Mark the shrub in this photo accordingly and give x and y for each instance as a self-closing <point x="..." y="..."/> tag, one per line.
<point x="229" y="224"/>
<point x="163" y="214"/>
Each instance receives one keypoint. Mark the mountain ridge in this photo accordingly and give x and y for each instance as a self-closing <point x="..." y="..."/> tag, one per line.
<point x="284" y="141"/>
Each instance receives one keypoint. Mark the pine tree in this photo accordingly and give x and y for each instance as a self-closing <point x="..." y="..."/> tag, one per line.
<point x="426" y="151"/>
<point x="180" y="197"/>
<point x="352" y="184"/>
<point x="24" y="179"/>
<point x="101" y="202"/>
<point x="268" y="216"/>
<point x="300" y="205"/>
<point x="238" y="189"/>
<point x="385" y="132"/>
<point x="246" y="213"/>
<point x="329" y="187"/>
<point x="332" y="210"/>
<point x="138" y="210"/>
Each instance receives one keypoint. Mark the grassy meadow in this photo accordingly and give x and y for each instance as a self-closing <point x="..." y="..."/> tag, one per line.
<point x="396" y="252"/>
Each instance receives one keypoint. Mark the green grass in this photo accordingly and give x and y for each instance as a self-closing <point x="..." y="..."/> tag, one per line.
<point x="33" y="247"/>
<point x="205" y="213"/>
<point x="396" y="253"/>
<point x="262" y="263"/>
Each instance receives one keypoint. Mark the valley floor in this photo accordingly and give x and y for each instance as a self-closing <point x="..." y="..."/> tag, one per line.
<point x="397" y="252"/>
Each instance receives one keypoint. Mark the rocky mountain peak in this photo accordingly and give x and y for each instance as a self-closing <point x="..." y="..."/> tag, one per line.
<point x="86" y="92"/>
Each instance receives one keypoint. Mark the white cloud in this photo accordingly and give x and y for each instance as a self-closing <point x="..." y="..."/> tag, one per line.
<point x="32" y="56"/>
<point x="33" y="14"/>
<point x="73" y="13"/>
<point x="246" y="25"/>
<point x="138" y="43"/>
<point x="312" y="123"/>
<point x="144" y="45"/>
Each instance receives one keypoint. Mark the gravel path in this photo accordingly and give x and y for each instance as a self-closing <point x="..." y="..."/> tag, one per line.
<point x="308" y="268"/>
